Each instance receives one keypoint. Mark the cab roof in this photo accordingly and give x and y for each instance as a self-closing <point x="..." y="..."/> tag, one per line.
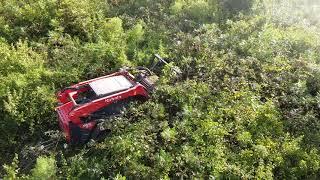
<point x="110" y="85"/>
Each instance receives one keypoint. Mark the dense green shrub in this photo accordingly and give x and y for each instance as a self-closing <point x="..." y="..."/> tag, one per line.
<point x="26" y="99"/>
<point x="199" y="11"/>
<point x="26" y="19"/>
<point x="246" y="105"/>
<point x="45" y="168"/>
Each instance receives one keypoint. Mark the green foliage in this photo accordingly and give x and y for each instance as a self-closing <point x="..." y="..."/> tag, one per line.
<point x="26" y="19"/>
<point x="135" y="38"/>
<point x="80" y="18"/>
<point x="12" y="170"/>
<point x="199" y="10"/>
<point x="26" y="99"/>
<point x="245" y="106"/>
<point x="232" y="7"/>
<point x="45" y="168"/>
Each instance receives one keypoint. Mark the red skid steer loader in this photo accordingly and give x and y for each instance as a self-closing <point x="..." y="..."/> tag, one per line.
<point x="83" y="106"/>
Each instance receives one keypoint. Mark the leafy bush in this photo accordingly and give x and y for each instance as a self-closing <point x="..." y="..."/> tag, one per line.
<point x="27" y="100"/>
<point x="26" y="19"/>
<point x="246" y="105"/>
<point x="45" y="168"/>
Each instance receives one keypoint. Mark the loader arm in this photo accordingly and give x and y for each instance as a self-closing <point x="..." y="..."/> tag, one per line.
<point x="96" y="105"/>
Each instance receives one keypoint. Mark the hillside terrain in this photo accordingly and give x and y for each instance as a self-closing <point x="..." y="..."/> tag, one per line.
<point x="246" y="106"/>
